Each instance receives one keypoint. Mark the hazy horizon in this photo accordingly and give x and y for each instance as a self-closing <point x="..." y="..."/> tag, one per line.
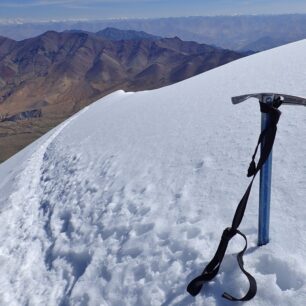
<point x="16" y="21"/>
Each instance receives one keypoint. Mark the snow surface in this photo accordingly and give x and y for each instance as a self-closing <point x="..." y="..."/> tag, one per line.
<point x="125" y="202"/>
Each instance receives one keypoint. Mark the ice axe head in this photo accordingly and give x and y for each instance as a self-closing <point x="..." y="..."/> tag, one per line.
<point x="271" y="98"/>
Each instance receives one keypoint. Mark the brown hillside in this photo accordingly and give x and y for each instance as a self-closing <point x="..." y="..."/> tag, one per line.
<point x="60" y="73"/>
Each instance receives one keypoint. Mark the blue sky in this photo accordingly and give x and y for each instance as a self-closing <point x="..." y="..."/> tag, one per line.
<point x="101" y="9"/>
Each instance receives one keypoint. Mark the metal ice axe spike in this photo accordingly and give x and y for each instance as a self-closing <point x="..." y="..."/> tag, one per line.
<point x="266" y="170"/>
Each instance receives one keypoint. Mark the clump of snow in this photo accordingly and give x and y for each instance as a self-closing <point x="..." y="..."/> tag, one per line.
<point x="124" y="203"/>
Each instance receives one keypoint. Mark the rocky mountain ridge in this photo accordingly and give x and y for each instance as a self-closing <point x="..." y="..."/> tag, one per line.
<point x="60" y="73"/>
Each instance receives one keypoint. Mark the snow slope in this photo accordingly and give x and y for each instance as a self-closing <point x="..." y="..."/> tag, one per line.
<point x="124" y="203"/>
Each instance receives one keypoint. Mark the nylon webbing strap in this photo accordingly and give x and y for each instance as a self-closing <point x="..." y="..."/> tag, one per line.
<point x="266" y="139"/>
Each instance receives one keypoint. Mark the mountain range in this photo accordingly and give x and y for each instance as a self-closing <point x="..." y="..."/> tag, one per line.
<point x="238" y="32"/>
<point x="60" y="73"/>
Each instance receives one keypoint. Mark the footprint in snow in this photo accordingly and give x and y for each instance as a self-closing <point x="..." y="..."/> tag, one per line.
<point x="143" y="228"/>
<point x="287" y="277"/>
<point x="198" y="166"/>
<point x="193" y="232"/>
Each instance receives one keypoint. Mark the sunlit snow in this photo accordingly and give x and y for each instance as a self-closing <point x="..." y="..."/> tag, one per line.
<point x="125" y="202"/>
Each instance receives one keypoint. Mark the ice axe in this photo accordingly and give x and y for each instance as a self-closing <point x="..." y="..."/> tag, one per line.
<point x="269" y="104"/>
<point x="273" y="99"/>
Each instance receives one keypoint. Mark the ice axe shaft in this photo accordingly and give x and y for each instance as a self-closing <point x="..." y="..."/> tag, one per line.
<point x="264" y="191"/>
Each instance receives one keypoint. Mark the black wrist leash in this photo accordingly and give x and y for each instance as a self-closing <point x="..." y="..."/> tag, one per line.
<point x="266" y="139"/>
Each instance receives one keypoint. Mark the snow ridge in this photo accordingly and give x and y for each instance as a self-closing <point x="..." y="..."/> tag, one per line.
<point x="23" y="218"/>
